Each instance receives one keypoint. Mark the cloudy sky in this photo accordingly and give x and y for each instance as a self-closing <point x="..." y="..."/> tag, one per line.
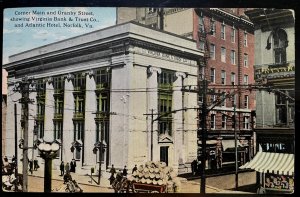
<point x="19" y="39"/>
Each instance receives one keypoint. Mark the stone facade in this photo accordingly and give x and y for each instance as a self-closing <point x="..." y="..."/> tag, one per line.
<point x="135" y="56"/>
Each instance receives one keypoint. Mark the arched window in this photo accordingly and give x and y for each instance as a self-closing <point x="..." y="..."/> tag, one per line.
<point x="280" y="44"/>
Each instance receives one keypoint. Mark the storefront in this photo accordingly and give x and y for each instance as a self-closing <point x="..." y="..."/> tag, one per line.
<point x="276" y="171"/>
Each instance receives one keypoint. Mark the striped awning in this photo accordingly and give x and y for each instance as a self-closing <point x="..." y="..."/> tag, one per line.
<point x="276" y="163"/>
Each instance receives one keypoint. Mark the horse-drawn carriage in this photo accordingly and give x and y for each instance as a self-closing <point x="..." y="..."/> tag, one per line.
<point x="154" y="177"/>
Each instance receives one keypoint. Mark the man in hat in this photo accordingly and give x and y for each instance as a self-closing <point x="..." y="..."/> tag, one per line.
<point x="125" y="171"/>
<point x="73" y="166"/>
<point x="134" y="169"/>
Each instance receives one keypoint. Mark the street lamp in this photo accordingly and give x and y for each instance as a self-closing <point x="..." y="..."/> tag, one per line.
<point x="48" y="151"/>
<point x="101" y="146"/>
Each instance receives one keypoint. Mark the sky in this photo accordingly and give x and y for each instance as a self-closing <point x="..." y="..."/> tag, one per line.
<point x="18" y="38"/>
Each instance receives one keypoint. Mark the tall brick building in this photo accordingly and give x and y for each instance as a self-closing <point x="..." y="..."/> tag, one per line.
<point x="227" y="37"/>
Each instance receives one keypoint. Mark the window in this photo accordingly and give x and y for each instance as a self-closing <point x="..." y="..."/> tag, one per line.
<point x="285" y="108"/>
<point x="232" y="78"/>
<point x="40" y="127"/>
<point x="202" y="45"/>
<point x="246" y="122"/>
<point x="223" y="31"/>
<point x="213" y="121"/>
<point x="79" y="81"/>
<point x="102" y="129"/>
<point x="58" y="128"/>
<point x="232" y="57"/>
<point x="245" y="79"/>
<point x="246" y="101"/>
<point x="223" y="121"/>
<point x="212" y="75"/>
<point x="245" y="39"/>
<point x="201" y="24"/>
<point x="212" y="51"/>
<point x="232" y="35"/>
<point x="280" y="44"/>
<point x="223" y="104"/>
<point x="58" y="84"/>
<point x="233" y="100"/>
<point x="223" y="54"/>
<point x="102" y="78"/>
<point x="223" y="77"/>
<point x="165" y="98"/>
<point x="58" y="105"/>
<point x="102" y="102"/>
<point x="79" y="104"/>
<point x="246" y="60"/>
<point x="213" y="27"/>
<point x="78" y="130"/>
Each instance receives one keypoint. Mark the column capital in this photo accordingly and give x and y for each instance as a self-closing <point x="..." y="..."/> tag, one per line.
<point x="69" y="76"/>
<point x="152" y="69"/>
<point x="180" y="74"/>
<point x="49" y="80"/>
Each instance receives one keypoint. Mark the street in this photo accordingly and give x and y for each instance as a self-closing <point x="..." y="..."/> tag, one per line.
<point x="36" y="184"/>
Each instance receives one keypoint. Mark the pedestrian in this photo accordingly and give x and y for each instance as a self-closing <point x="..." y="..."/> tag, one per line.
<point x="31" y="166"/>
<point x="73" y="166"/>
<point x="112" y="174"/>
<point x="125" y="171"/>
<point x="67" y="168"/>
<point x="62" y="168"/>
<point x="36" y="164"/>
<point x="194" y="167"/>
<point x="134" y="169"/>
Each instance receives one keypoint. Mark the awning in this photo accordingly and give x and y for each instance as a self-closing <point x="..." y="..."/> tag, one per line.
<point x="230" y="144"/>
<point x="276" y="163"/>
<point x="209" y="142"/>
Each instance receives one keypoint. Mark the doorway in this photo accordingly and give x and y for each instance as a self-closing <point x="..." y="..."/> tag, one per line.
<point x="164" y="154"/>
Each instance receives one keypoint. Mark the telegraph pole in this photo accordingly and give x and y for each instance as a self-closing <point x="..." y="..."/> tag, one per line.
<point x="23" y="88"/>
<point x="203" y="137"/>
<point x="24" y="101"/>
<point x="16" y="150"/>
<point x="235" y="147"/>
<point x="151" y="148"/>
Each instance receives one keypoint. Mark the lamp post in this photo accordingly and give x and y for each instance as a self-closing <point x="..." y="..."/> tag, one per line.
<point x="101" y="146"/>
<point x="48" y="151"/>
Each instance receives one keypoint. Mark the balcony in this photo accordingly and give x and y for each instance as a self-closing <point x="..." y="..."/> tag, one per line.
<point x="58" y="116"/>
<point x="165" y="87"/>
<point x="78" y="115"/>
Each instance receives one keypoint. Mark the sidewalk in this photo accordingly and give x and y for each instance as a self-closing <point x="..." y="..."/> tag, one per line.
<point x="80" y="178"/>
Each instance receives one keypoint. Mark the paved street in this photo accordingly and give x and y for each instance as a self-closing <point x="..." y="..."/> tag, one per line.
<point x="36" y="184"/>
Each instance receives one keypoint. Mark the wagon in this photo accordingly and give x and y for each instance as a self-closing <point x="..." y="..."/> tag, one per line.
<point x="148" y="188"/>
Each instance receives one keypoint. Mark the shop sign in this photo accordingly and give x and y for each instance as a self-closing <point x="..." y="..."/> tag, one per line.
<point x="275" y="71"/>
<point x="280" y="182"/>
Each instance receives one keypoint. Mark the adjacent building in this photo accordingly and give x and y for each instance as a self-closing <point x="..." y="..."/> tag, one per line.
<point x="108" y="87"/>
<point x="275" y="112"/>
<point x="226" y="37"/>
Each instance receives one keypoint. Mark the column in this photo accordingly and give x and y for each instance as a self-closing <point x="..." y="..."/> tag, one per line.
<point x="178" y="119"/>
<point x="89" y="122"/>
<point x="119" y="103"/>
<point x="49" y="111"/>
<point x="10" y="121"/>
<point x="68" y="132"/>
<point x="152" y="98"/>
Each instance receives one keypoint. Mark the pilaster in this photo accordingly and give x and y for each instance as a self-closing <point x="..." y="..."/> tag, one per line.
<point x="49" y="111"/>
<point x="68" y="131"/>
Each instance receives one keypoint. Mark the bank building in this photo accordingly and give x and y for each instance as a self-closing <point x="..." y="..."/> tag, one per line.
<point x="110" y="87"/>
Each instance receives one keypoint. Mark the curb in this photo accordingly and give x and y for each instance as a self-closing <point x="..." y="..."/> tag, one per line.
<point x="78" y="182"/>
